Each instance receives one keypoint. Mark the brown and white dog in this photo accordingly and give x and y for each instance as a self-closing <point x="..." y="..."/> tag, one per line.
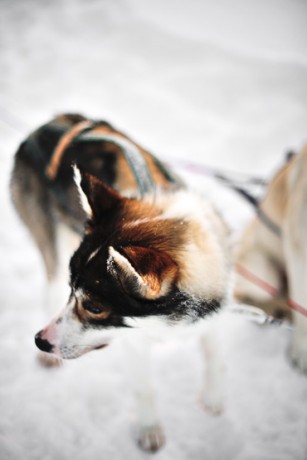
<point x="272" y="253"/>
<point x="147" y="255"/>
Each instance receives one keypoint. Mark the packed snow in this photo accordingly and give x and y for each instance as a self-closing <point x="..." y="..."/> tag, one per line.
<point x="218" y="83"/>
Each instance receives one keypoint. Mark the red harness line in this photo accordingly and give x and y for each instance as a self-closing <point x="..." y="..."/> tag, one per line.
<point x="268" y="288"/>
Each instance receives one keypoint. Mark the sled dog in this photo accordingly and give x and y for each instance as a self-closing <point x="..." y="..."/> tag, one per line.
<point x="145" y="254"/>
<point x="273" y="249"/>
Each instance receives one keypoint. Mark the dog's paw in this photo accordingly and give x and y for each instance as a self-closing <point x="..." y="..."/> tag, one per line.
<point x="151" y="439"/>
<point x="211" y="402"/>
<point x="48" y="361"/>
<point x="298" y="352"/>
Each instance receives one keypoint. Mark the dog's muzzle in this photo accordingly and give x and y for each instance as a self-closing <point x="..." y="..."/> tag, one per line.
<point x="43" y="344"/>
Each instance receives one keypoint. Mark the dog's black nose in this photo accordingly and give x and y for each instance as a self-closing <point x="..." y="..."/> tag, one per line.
<point x="42" y="344"/>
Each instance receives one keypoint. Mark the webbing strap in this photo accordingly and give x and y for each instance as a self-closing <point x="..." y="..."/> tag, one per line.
<point x="267" y="221"/>
<point x="82" y="132"/>
<point x="262" y="215"/>
<point x="134" y="158"/>
<point x="64" y="142"/>
<point x="268" y="288"/>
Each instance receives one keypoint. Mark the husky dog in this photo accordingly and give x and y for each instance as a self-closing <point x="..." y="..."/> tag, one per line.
<point x="273" y="252"/>
<point x="147" y="255"/>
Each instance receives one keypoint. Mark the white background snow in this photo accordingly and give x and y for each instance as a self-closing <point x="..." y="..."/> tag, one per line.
<point x="220" y="83"/>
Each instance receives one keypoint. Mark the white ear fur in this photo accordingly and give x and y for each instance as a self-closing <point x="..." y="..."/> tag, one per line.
<point x="83" y="198"/>
<point x="147" y="286"/>
<point x="125" y="266"/>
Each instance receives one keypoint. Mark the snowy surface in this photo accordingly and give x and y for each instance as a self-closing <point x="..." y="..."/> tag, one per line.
<point x="220" y="83"/>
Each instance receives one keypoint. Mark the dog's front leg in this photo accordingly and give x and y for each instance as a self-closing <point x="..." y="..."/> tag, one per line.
<point x="297" y="273"/>
<point x="295" y="247"/>
<point x="150" y="435"/>
<point x="298" y="350"/>
<point x="211" y="394"/>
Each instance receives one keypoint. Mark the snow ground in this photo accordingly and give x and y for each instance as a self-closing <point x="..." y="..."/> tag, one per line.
<point x="221" y="83"/>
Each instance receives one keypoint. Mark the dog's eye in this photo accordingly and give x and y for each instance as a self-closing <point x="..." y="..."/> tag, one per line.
<point x="92" y="308"/>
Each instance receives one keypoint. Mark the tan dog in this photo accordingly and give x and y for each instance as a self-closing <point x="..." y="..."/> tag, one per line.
<point x="272" y="254"/>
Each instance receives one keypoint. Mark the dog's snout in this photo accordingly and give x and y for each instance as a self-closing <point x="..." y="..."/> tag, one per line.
<point x="43" y="344"/>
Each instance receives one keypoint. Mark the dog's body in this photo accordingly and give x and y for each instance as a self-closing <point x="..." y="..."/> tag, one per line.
<point x="152" y="256"/>
<point x="272" y="252"/>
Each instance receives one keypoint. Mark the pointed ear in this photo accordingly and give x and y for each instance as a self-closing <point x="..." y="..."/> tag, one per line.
<point x="146" y="273"/>
<point x="95" y="196"/>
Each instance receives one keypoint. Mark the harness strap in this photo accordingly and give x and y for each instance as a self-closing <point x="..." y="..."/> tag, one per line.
<point x="65" y="140"/>
<point x="267" y="221"/>
<point x="255" y="202"/>
<point x="256" y="280"/>
<point x="135" y="159"/>
<point x="83" y="132"/>
<point x="271" y="290"/>
<point x="257" y="315"/>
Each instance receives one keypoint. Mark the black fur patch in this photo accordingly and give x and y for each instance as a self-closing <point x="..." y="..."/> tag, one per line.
<point x="103" y="289"/>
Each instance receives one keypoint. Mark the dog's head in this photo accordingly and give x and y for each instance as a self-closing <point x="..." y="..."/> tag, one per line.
<point x="131" y="266"/>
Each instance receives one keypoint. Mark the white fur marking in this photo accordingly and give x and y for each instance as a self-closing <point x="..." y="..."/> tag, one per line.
<point x="83" y="198"/>
<point x="123" y="263"/>
<point x="93" y="254"/>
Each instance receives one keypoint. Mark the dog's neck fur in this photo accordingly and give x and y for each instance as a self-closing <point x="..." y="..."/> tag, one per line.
<point x="202" y="258"/>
